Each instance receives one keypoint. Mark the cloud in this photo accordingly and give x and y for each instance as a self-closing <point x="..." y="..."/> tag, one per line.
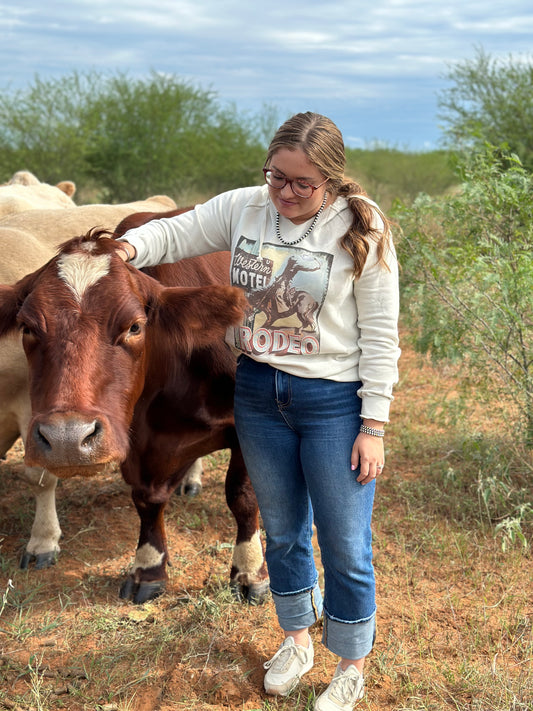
<point x="376" y="65"/>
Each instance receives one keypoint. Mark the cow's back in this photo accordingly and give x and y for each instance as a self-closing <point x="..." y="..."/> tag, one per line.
<point x="54" y="226"/>
<point x="196" y="271"/>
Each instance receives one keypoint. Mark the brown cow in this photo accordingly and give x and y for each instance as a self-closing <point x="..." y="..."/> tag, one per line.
<point x="130" y="366"/>
<point x="27" y="241"/>
<point x="191" y="484"/>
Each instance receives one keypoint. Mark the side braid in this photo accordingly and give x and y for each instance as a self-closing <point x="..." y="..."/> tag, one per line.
<point x="363" y="228"/>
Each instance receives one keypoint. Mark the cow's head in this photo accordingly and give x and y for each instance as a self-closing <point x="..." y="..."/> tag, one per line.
<point x="88" y="324"/>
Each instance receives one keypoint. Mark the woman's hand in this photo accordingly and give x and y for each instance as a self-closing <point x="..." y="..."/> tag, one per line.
<point x="368" y="453"/>
<point x="126" y="251"/>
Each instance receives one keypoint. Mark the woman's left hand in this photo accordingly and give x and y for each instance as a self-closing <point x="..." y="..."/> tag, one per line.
<point x="368" y="453"/>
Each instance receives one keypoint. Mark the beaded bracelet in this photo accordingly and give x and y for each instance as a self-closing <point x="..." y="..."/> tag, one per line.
<point x="372" y="431"/>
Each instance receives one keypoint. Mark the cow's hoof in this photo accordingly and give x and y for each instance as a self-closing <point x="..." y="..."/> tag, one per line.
<point x="42" y="560"/>
<point x="141" y="592"/>
<point x="192" y="490"/>
<point x="255" y="594"/>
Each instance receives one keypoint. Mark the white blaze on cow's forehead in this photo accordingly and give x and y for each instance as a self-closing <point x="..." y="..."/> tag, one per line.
<point x="80" y="271"/>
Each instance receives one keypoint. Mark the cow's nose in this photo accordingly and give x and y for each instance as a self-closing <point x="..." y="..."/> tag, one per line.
<point x="67" y="439"/>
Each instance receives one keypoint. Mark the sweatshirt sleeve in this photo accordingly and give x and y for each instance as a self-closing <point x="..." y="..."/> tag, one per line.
<point x="377" y="298"/>
<point x="206" y="228"/>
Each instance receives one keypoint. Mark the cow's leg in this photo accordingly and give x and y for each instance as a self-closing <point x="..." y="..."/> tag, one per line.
<point x="191" y="484"/>
<point x="248" y="577"/>
<point x="148" y="576"/>
<point x="43" y="546"/>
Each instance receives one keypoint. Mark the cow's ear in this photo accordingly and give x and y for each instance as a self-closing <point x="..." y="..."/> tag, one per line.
<point x="11" y="300"/>
<point x="9" y="308"/>
<point x="196" y="316"/>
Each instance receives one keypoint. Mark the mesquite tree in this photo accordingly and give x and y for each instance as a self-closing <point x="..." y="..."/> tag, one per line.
<point x="490" y="100"/>
<point x="468" y="277"/>
<point x="130" y="137"/>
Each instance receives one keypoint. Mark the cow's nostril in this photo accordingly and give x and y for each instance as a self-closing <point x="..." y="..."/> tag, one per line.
<point x="43" y="441"/>
<point x="92" y="431"/>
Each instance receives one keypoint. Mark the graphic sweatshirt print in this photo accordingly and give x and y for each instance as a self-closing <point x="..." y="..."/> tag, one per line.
<point x="307" y="313"/>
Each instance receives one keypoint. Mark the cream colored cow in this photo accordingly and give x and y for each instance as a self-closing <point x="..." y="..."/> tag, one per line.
<point x="25" y="192"/>
<point x="28" y="240"/>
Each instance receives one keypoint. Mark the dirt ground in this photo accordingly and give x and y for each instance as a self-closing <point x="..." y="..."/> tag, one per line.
<point x="68" y="642"/>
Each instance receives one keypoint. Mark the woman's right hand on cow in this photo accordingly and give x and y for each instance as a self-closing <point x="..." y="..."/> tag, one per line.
<point x="126" y="251"/>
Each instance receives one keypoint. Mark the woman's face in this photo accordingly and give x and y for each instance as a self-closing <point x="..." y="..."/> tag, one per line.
<point x="294" y="165"/>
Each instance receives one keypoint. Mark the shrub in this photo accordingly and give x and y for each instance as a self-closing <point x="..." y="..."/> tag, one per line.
<point x="467" y="276"/>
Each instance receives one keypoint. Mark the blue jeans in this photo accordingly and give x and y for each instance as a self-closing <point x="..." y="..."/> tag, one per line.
<point x="296" y="435"/>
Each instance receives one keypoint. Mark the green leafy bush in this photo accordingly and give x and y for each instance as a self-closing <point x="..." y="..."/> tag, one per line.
<point x="490" y="100"/>
<point x="164" y="136"/>
<point x="129" y="137"/>
<point x="468" y="274"/>
<point x="43" y="128"/>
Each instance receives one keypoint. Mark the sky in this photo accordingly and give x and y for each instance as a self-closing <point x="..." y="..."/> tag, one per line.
<point x="375" y="67"/>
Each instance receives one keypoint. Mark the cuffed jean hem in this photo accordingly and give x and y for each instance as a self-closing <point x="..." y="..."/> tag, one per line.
<point x="349" y="640"/>
<point x="299" y="610"/>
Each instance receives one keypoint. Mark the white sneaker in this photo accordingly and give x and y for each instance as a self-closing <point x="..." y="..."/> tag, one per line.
<point x="346" y="688"/>
<point x="287" y="666"/>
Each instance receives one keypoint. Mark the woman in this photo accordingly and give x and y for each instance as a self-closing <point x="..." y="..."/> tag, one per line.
<point x="318" y="361"/>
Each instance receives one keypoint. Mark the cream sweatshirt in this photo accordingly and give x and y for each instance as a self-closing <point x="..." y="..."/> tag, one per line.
<point x="308" y="316"/>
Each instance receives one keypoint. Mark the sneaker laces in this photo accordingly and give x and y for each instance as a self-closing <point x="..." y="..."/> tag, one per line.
<point x="283" y="657"/>
<point x="345" y="688"/>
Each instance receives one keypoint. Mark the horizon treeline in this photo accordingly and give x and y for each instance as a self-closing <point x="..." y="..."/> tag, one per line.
<point x="121" y="139"/>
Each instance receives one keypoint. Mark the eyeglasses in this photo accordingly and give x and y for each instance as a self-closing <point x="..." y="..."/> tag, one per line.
<point x="299" y="187"/>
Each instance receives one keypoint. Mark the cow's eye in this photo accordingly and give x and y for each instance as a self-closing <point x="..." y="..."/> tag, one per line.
<point x="26" y="330"/>
<point x="131" y="335"/>
<point x="134" y="331"/>
<point x="29" y="336"/>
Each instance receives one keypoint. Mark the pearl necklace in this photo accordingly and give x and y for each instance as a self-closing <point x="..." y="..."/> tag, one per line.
<point x="309" y="230"/>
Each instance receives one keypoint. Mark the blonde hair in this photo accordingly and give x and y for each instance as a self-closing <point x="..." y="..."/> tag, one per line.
<point x="321" y="141"/>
